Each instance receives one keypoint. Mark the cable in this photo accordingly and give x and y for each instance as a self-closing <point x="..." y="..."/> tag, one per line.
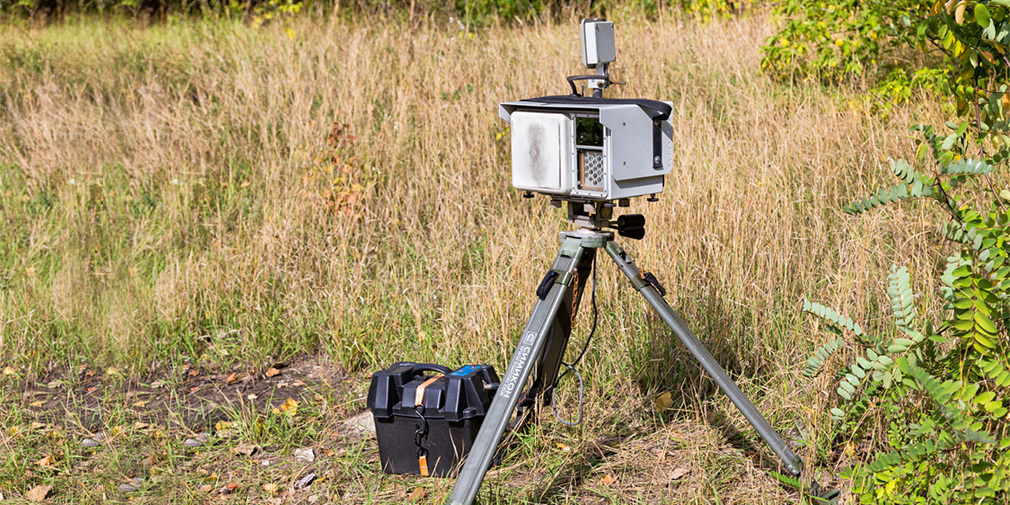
<point x="571" y="367"/>
<point x="592" y="330"/>
<point x="554" y="405"/>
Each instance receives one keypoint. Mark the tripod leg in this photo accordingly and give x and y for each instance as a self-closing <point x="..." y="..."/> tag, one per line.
<point x="793" y="463"/>
<point x="546" y="371"/>
<point x="527" y="354"/>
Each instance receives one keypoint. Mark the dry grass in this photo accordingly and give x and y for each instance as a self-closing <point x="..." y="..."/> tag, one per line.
<point x="214" y="189"/>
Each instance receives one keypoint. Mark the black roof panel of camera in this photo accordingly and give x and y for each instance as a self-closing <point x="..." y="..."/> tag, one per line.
<point x="654" y="108"/>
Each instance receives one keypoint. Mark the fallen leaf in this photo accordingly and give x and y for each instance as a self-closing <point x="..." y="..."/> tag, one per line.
<point x="38" y="493"/>
<point x="194" y="389"/>
<point x="140" y="403"/>
<point x="9" y="371"/>
<point x="289" y="407"/>
<point x="677" y="473"/>
<point x="92" y="389"/>
<point x="89" y="373"/>
<point x="417" y="494"/>
<point x="608" y="479"/>
<point x="231" y="378"/>
<point x="222" y="425"/>
<point x="664" y="402"/>
<point x="270" y="487"/>
<point x="206" y="488"/>
<point x="194" y="372"/>
<point x="47" y="461"/>
<point x="111" y="371"/>
<point x="37" y="403"/>
<point x="272" y="372"/>
<point x="251" y="396"/>
<point x="297" y="384"/>
<point x="245" y="449"/>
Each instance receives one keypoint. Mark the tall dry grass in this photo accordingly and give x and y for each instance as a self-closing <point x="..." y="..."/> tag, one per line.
<point x="167" y="182"/>
<point x="222" y="191"/>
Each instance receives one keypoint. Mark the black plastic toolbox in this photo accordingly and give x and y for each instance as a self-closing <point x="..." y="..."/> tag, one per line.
<point x="430" y="432"/>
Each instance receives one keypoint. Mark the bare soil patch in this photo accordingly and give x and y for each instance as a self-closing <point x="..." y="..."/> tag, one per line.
<point x="193" y="397"/>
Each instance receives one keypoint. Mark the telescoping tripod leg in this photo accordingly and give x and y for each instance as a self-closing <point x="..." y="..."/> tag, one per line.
<point x="793" y="463"/>
<point x="543" y="330"/>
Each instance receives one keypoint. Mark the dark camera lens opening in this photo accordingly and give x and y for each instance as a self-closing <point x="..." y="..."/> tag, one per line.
<point x="588" y="132"/>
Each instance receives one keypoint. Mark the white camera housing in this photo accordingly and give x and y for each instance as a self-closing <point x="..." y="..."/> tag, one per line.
<point x="608" y="150"/>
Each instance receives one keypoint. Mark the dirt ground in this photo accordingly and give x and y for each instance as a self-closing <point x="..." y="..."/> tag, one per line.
<point x="297" y="432"/>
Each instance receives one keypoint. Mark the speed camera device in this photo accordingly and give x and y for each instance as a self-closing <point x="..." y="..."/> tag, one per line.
<point x="591" y="154"/>
<point x="590" y="148"/>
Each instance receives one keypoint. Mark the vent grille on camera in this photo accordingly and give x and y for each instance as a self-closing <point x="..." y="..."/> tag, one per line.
<point x="591" y="168"/>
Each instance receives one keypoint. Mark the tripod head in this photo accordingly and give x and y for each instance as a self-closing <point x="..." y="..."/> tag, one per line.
<point x="596" y="216"/>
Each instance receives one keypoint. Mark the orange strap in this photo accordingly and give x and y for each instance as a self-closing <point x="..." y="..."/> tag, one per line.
<point x="422" y="460"/>
<point x="422" y="463"/>
<point x="419" y="394"/>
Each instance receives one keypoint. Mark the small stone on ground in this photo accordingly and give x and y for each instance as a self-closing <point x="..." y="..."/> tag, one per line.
<point x="305" y="481"/>
<point x="360" y="426"/>
<point x="196" y="441"/>
<point x="94" y="440"/>
<point x="132" y="486"/>
<point x="305" y="455"/>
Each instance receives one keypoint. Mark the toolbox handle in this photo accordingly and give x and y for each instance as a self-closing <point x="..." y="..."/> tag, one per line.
<point x="430" y="367"/>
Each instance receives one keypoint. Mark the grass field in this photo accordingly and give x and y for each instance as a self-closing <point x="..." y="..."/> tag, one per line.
<point x="211" y="196"/>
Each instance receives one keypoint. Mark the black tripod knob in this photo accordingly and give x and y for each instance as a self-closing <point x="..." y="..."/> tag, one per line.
<point x="634" y="233"/>
<point x="631" y="226"/>
<point x="629" y="221"/>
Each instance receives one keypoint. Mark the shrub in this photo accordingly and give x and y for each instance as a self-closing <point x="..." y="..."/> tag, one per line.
<point x="939" y="385"/>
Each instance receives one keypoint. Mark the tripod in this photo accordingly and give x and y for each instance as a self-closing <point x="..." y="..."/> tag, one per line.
<point x="542" y="344"/>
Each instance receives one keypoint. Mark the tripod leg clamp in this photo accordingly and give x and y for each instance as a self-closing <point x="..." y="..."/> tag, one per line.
<point x="545" y="285"/>
<point x="651" y="279"/>
<point x="550" y="278"/>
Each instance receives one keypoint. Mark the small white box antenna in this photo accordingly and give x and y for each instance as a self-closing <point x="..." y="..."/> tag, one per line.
<point x="597" y="42"/>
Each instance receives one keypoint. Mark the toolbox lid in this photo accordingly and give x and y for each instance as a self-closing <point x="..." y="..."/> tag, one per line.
<point x="464" y="393"/>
